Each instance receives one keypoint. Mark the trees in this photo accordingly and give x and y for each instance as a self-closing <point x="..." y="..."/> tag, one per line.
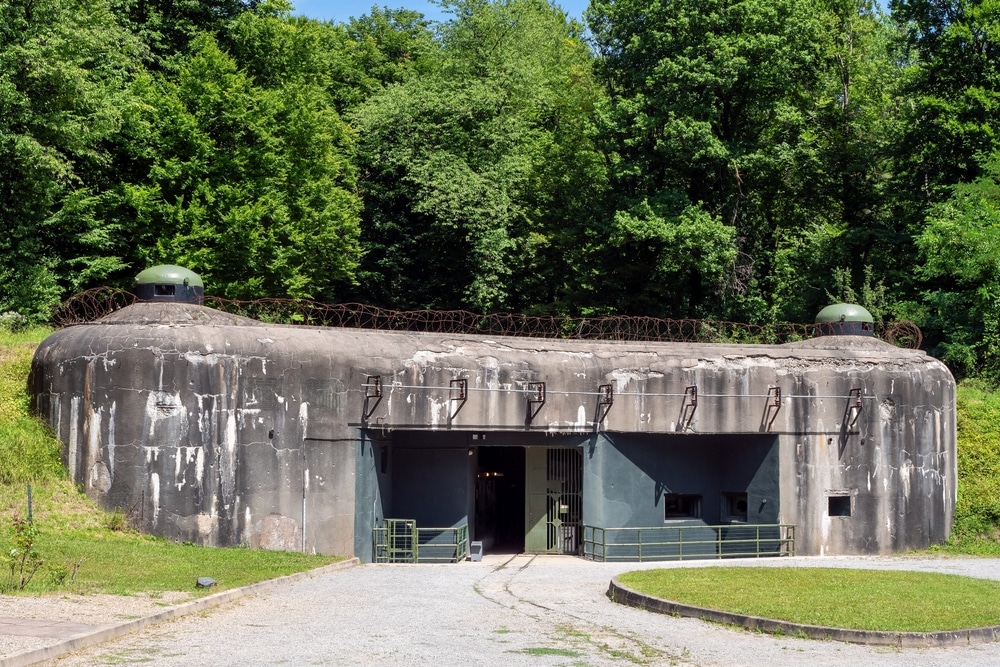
<point x="706" y="121"/>
<point x="166" y="27"/>
<point x="960" y="249"/>
<point x="64" y="72"/>
<point x="954" y="48"/>
<point x="726" y="159"/>
<point x="952" y="52"/>
<point x="946" y="175"/>
<point x="480" y="175"/>
<point x="778" y="123"/>
<point x="386" y="46"/>
<point x="852" y="242"/>
<point x="249" y="186"/>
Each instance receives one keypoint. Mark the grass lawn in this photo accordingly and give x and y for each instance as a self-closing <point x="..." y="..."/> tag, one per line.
<point x="107" y="557"/>
<point x="124" y="564"/>
<point x="855" y="599"/>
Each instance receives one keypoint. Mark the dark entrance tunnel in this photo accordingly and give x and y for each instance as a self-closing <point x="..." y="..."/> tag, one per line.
<point x="500" y="493"/>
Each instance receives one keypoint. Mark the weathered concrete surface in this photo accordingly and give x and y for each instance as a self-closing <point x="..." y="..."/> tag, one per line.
<point x="222" y="430"/>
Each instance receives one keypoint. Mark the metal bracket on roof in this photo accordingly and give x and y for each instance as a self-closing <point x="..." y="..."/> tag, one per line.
<point x="373" y="390"/>
<point x="536" y="397"/>
<point x="687" y="410"/>
<point x="605" y="399"/>
<point x="853" y="409"/>
<point x="459" y="395"/>
<point x="771" y="409"/>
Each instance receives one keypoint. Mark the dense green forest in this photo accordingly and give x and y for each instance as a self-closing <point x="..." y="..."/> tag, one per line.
<point x="742" y="160"/>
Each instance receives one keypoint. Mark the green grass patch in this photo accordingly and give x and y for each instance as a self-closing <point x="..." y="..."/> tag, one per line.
<point x="541" y="650"/>
<point x="28" y="451"/>
<point x="124" y="564"/>
<point x="855" y="599"/>
<point x="977" y="512"/>
<point x="85" y="550"/>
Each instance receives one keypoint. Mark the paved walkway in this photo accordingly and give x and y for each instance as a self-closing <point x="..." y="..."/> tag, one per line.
<point x="522" y="611"/>
<point x="32" y="627"/>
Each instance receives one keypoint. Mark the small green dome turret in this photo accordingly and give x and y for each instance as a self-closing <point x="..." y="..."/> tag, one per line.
<point x="169" y="283"/>
<point x="845" y="319"/>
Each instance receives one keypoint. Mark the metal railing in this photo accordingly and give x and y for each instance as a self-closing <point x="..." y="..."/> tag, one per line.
<point x="688" y="542"/>
<point x="402" y="541"/>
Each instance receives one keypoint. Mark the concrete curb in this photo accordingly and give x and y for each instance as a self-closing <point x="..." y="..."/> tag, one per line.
<point x="622" y="594"/>
<point x="76" y="642"/>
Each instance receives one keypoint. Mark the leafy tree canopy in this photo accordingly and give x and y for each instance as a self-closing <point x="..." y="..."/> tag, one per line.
<point x="65" y="69"/>
<point x="474" y="170"/>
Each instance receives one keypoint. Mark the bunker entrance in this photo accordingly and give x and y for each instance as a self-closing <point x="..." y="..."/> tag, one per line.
<point x="500" y="495"/>
<point x="512" y="497"/>
<point x="529" y="499"/>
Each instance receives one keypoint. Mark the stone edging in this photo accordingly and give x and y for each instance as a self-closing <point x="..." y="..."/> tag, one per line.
<point x="622" y="594"/>
<point x="76" y="642"/>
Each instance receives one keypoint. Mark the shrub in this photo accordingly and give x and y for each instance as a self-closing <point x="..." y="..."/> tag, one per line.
<point x="13" y="322"/>
<point x="22" y="560"/>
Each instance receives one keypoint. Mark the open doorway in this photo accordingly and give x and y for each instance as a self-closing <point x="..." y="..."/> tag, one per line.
<point x="499" y="514"/>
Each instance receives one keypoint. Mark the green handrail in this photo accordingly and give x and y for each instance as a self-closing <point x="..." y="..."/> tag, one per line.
<point x="684" y="542"/>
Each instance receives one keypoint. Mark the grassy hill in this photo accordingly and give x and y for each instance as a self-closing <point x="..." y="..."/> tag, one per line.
<point x="977" y="513"/>
<point x="28" y="453"/>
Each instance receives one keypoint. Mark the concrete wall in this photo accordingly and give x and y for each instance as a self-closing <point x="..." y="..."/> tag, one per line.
<point x="204" y="436"/>
<point x="432" y="484"/>
<point x="705" y="465"/>
<point x="373" y="490"/>
<point x="228" y="431"/>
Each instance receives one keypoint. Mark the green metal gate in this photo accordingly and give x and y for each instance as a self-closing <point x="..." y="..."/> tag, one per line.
<point x="554" y="499"/>
<point x="402" y="541"/>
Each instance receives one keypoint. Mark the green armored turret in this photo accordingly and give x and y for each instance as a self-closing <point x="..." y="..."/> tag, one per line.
<point x="169" y="283"/>
<point x="845" y="319"/>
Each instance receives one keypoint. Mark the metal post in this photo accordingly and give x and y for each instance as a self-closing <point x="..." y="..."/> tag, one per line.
<point x="305" y="488"/>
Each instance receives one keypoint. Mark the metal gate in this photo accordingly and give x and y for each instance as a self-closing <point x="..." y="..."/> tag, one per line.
<point x="401" y="541"/>
<point x="554" y="502"/>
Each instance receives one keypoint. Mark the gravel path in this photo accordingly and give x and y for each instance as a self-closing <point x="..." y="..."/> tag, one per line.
<point x="91" y="609"/>
<point x="527" y="611"/>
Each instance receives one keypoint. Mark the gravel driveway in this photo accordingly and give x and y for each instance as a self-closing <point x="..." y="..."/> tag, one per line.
<point x="536" y="611"/>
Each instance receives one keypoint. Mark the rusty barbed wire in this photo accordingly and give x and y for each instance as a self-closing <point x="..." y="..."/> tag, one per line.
<point x="90" y="306"/>
<point x="903" y="333"/>
<point x="99" y="302"/>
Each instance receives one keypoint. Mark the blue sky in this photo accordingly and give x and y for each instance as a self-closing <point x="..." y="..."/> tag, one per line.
<point x="342" y="10"/>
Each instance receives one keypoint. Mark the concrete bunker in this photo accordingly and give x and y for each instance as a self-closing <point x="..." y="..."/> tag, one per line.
<point x="222" y="430"/>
